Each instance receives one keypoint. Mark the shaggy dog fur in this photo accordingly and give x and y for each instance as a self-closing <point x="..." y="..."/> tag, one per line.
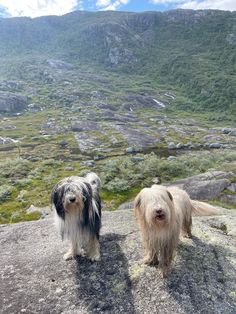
<point x="162" y="213"/>
<point x="78" y="214"/>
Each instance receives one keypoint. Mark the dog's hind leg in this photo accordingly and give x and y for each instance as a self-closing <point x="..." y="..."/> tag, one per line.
<point x="187" y="226"/>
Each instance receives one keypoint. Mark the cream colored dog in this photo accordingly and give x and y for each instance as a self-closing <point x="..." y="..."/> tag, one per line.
<point x="162" y="213"/>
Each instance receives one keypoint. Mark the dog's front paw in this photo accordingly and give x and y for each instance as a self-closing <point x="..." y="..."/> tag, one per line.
<point x="95" y="257"/>
<point x="69" y="255"/>
<point x="148" y="260"/>
<point x="164" y="272"/>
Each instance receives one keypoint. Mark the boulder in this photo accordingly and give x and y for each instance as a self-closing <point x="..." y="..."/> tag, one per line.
<point x="137" y="159"/>
<point x="226" y="130"/>
<point x="11" y="102"/>
<point x="215" y="145"/>
<point x="89" y="163"/>
<point x="132" y="150"/>
<point x="180" y="146"/>
<point x="7" y="140"/>
<point x="63" y="143"/>
<point x="206" y="186"/>
<point x="171" y="158"/>
<point x="206" y="190"/>
<point x="172" y="145"/>
<point x="44" y="211"/>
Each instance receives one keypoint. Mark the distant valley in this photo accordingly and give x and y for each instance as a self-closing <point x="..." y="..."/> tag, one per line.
<point x="139" y="98"/>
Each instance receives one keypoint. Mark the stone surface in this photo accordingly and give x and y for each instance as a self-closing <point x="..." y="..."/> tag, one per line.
<point x="171" y="145"/>
<point x="134" y="102"/>
<point x="11" y="102"/>
<point x="205" y="186"/>
<point x="44" y="211"/>
<point x="215" y="145"/>
<point x="36" y="279"/>
<point x="7" y="140"/>
<point x="206" y="190"/>
<point x="226" y="130"/>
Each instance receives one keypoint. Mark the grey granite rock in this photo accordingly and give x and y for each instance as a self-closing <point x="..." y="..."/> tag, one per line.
<point x="36" y="279"/>
<point x="205" y="186"/>
<point x="11" y="102"/>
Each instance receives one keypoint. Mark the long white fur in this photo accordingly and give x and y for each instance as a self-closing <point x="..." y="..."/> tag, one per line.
<point x="68" y="228"/>
<point x="160" y="237"/>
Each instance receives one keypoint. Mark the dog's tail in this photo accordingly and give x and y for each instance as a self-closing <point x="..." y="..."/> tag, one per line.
<point x="94" y="181"/>
<point x="204" y="209"/>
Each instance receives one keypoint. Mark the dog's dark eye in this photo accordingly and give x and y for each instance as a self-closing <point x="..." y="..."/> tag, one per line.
<point x="93" y="182"/>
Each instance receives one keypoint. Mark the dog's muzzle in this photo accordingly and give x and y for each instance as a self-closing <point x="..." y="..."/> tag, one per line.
<point x="72" y="199"/>
<point x="159" y="214"/>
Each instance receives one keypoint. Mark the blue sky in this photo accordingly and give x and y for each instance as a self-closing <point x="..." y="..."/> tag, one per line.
<point x="34" y="8"/>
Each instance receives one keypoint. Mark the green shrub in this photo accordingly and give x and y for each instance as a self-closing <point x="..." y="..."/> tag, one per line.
<point x="15" y="168"/>
<point x="5" y="192"/>
<point x="117" y="185"/>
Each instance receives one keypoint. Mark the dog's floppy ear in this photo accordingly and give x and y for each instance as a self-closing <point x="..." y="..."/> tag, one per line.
<point x="56" y="198"/>
<point x="137" y="201"/>
<point x="94" y="181"/>
<point x="170" y="195"/>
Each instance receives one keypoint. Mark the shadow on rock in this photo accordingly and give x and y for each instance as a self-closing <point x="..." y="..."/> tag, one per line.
<point x="202" y="278"/>
<point x="105" y="286"/>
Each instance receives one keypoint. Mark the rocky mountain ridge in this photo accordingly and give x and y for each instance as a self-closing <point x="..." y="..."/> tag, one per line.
<point x="184" y="48"/>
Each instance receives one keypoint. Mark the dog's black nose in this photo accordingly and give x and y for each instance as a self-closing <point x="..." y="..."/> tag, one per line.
<point x="159" y="211"/>
<point x="72" y="199"/>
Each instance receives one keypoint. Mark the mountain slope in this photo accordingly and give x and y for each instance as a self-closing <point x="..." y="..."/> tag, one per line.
<point x="192" y="50"/>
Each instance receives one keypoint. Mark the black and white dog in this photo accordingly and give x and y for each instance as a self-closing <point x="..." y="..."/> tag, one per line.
<point x="78" y="214"/>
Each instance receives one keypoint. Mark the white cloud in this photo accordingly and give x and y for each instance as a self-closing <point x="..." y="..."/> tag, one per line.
<point x="210" y="4"/>
<point x="34" y="8"/>
<point x="108" y="5"/>
<point x="200" y="5"/>
<point x="103" y="3"/>
<point x="166" y="1"/>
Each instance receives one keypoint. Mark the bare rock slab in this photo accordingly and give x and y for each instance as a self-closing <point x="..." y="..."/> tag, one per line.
<point x="35" y="278"/>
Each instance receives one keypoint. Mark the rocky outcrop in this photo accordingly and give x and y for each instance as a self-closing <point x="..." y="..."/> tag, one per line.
<point x="11" y="102"/>
<point x="7" y="140"/>
<point x="205" y="186"/>
<point x="81" y="126"/>
<point x="59" y="64"/>
<point x="10" y="85"/>
<point x="231" y="39"/>
<point x="134" y="102"/>
<point x="35" y="278"/>
<point x="117" y="55"/>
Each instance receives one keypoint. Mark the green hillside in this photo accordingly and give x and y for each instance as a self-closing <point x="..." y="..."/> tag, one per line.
<point x="193" y="51"/>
